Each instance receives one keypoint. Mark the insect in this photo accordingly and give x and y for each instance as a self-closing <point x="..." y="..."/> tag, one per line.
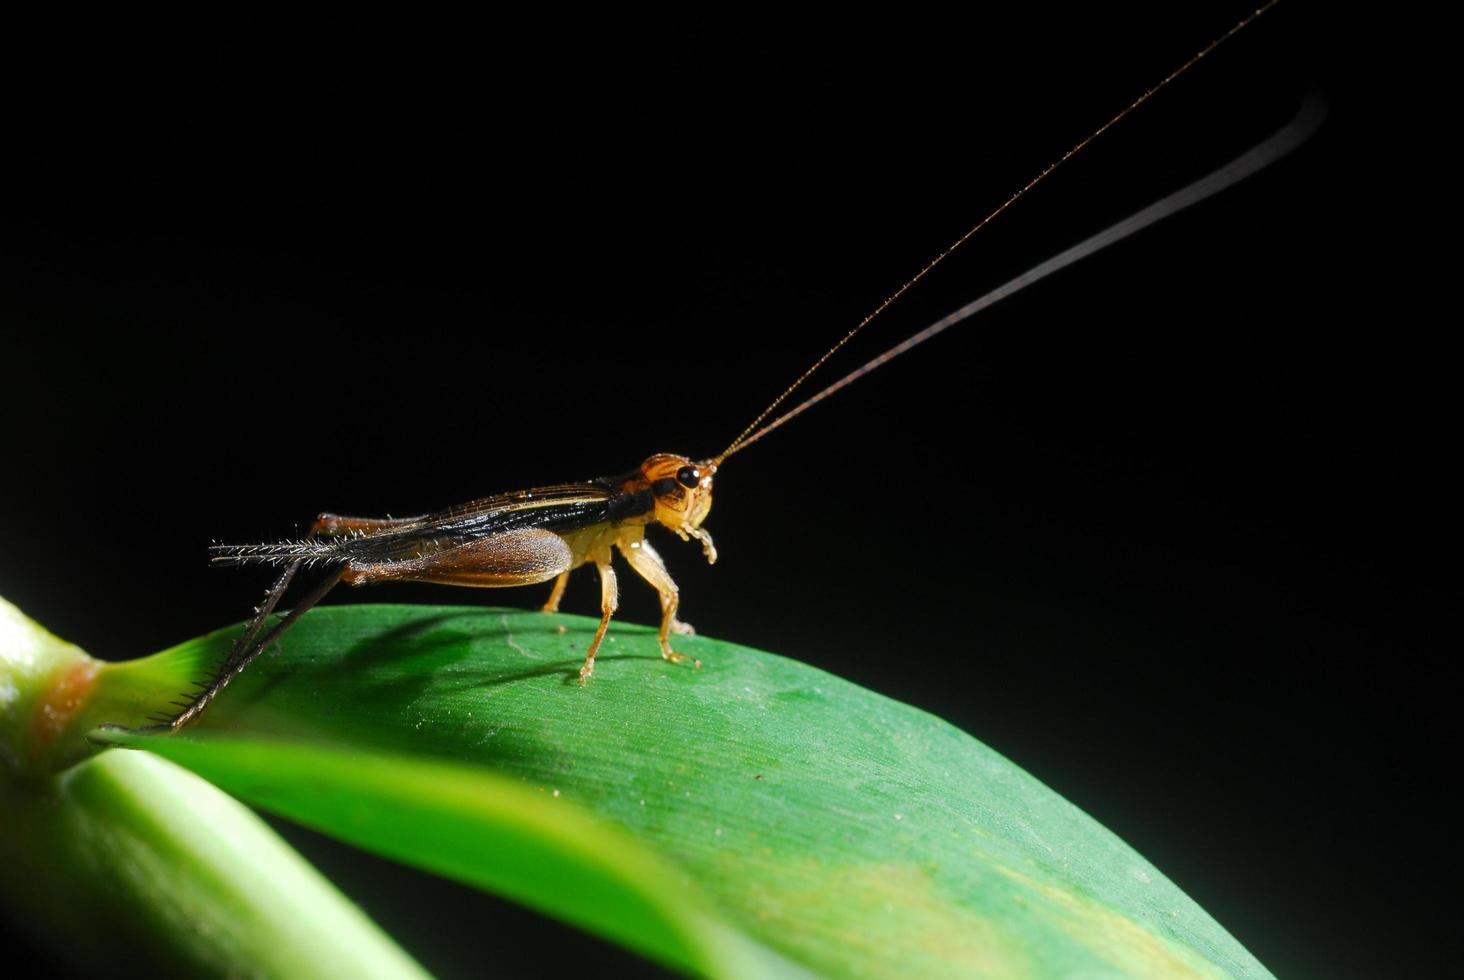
<point x="541" y="535"/>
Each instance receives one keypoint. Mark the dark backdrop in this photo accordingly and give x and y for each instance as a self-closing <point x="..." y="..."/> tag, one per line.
<point x="1154" y="530"/>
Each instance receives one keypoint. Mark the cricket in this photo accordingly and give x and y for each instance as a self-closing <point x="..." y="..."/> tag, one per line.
<point x="541" y="535"/>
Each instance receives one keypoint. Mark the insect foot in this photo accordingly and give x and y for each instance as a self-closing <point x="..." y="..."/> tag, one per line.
<point x="679" y="658"/>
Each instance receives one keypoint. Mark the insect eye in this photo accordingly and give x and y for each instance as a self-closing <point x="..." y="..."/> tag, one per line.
<point x="688" y="477"/>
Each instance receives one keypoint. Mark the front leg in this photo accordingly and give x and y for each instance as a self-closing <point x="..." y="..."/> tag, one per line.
<point x="643" y="558"/>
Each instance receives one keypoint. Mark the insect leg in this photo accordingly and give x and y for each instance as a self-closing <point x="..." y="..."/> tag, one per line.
<point x="609" y="602"/>
<point x="647" y="563"/>
<point x="261" y="613"/>
<point x="246" y="639"/>
<point x="242" y="657"/>
<point x="557" y="593"/>
<point x="676" y="625"/>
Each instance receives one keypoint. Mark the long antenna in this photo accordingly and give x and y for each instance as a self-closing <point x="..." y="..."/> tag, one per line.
<point x="1262" y="155"/>
<point x="746" y="435"/>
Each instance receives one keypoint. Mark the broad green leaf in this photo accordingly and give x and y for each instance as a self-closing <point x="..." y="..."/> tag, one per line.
<point x="852" y="834"/>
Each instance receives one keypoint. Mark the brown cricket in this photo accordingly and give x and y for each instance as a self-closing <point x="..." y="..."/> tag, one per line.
<point x="527" y="537"/>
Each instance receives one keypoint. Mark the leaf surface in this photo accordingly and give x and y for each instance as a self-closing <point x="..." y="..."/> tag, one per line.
<point x="754" y="804"/>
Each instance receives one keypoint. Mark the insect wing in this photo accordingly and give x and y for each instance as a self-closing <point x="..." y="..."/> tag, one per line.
<point x="561" y="508"/>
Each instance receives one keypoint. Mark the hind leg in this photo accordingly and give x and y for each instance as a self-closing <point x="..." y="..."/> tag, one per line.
<point x="245" y="650"/>
<point x="326" y="525"/>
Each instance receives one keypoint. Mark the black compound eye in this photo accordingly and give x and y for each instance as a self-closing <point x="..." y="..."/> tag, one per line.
<point x="688" y="477"/>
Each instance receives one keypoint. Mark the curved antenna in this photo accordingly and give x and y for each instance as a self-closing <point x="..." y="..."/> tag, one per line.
<point x="1262" y="155"/>
<point x="747" y="434"/>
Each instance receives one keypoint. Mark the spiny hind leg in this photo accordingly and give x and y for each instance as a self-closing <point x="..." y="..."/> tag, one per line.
<point x="246" y="649"/>
<point x="325" y="525"/>
<point x="648" y="565"/>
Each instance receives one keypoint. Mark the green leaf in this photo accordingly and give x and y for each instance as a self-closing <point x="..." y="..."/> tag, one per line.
<point x="766" y="800"/>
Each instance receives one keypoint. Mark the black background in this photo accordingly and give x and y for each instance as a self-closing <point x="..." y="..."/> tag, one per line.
<point x="1157" y="530"/>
